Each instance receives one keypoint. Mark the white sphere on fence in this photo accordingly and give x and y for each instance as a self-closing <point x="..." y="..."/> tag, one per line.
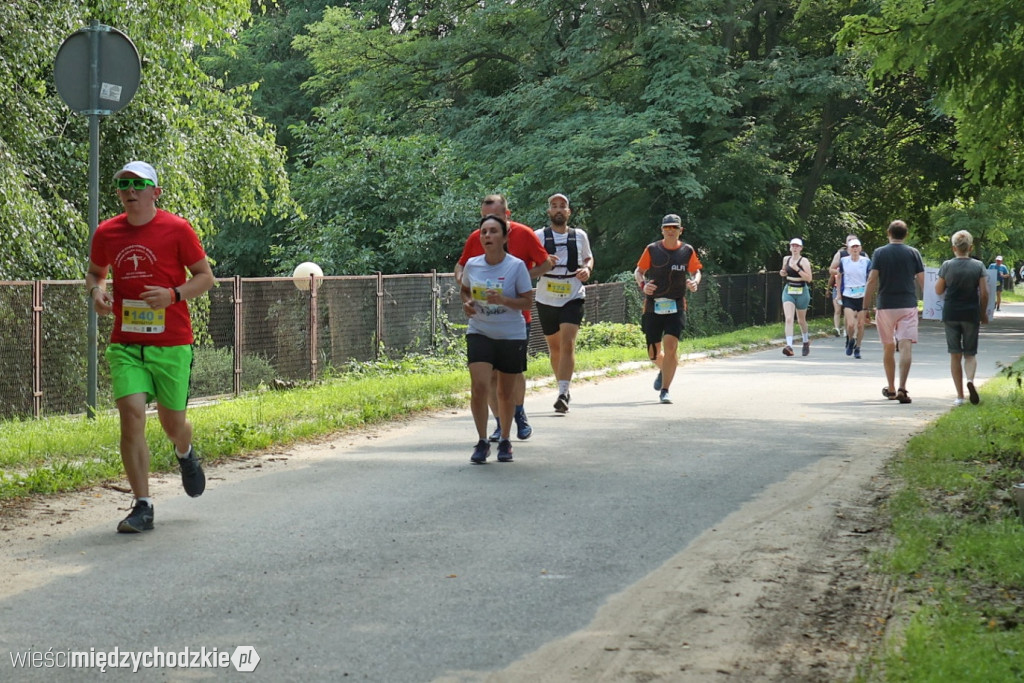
<point x="303" y="272"/>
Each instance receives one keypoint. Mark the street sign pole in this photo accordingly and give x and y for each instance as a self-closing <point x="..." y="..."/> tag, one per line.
<point x="97" y="71"/>
<point x="94" y="207"/>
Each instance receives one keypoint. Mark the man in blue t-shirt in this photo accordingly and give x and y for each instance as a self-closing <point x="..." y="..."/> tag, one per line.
<point x="1002" y="276"/>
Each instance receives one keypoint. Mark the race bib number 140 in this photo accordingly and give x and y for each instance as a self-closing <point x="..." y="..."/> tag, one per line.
<point x="137" y="316"/>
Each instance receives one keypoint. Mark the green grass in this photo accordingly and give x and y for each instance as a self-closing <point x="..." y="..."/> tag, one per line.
<point x="959" y="545"/>
<point x="67" y="453"/>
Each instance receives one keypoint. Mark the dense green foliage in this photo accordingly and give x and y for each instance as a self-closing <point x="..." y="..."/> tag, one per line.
<point x="748" y="116"/>
<point x="217" y="160"/>
<point x="757" y="119"/>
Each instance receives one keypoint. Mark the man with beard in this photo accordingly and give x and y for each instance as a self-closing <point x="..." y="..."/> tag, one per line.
<point x="560" y="292"/>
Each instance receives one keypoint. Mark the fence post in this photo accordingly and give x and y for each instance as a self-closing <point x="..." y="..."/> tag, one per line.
<point x="313" y="322"/>
<point x="435" y="303"/>
<point x="380" y="316"/>
<point x="37" y="349"/>
<point x="236" y="295"/>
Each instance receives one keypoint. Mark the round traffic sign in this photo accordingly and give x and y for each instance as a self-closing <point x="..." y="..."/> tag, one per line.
<point x="98" y="59"/>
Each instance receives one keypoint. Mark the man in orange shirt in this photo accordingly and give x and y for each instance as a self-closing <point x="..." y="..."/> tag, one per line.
<point x="666" y="270"/>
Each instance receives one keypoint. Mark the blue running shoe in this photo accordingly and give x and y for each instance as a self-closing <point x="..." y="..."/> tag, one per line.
<point x="523" y="428"/>
<point x="657" y="382"/>
<point x="496" y="434"/>
<point x="664" y="397"/>
<point x="849" y="346"/>
<point x="505" y="451"/>
<point x="480" y="453"/>
<point x="856" y="352"/>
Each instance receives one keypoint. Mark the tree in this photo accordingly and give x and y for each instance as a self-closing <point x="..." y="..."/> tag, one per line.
<point x="215" y="158"/>
<point x="972" y="54"/>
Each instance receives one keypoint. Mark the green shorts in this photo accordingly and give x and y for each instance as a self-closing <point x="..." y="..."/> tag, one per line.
<point x="160" y="372"/>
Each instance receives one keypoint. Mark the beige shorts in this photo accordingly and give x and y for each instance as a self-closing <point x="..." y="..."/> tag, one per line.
<point x="896" y="324"/>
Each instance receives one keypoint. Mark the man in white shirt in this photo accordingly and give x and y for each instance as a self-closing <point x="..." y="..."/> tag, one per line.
<point x="561" y="294"/>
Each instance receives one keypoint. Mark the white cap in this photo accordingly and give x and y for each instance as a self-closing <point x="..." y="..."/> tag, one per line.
<point x="559" y="195"/>
<point x="140" y="169"/>
<point x="797" y="241"/>
<point x="853" y="243"/>
<point x="999" y="258"/>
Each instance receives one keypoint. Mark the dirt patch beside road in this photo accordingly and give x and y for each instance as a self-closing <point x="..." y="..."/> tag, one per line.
<point x="779" y="591"/>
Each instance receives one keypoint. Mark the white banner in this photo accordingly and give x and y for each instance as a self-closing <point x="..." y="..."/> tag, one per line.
<point x="933" y="302"/>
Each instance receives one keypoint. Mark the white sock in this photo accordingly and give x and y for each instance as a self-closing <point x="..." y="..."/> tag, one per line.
<point x="806" y="336"/>
<point x="789" y="340"/>
<point x="148" y="501"/>
<point x="563" y="386"/>
<point x="182" y="456"/>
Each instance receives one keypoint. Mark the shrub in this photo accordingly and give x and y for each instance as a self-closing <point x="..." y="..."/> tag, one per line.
<point x="213" y="371"/>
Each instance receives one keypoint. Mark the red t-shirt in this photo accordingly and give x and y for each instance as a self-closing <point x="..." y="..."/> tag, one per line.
<point x="522" y="243"/>
<point x="156" y="253"/>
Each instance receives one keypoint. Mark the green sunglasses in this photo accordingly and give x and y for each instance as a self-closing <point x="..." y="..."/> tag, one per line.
<point x="134" y="183"/>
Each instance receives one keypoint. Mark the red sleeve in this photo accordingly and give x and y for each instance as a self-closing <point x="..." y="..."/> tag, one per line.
<point x="191" y="248"/>
<point x="471" y="248"/>
<point x="524" y="244"/>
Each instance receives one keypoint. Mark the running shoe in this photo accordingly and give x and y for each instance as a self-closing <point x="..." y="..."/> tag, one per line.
<point x="480" y="453"/>
<point x="856" y="352"/>
<point x="140" y="519"/>
<point x="505" y="451"/>
<point x="807" y="348"/>
<point x="657" y="382"/>
<point x="787" y="351"/>
<point x="562" y="404"/>
<point x="849" y="346"/>
<point x="838" y="333"/>
<point x="192" y="477"/>
<point x="523" y="428"/>
<point x="664" y="397"/>
<point x="496" y="434"/>
<point x="975" y="399"/>
<point x="957" y="402"/>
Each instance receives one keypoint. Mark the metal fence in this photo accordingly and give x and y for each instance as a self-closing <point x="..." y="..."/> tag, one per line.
<point x="253" y="331"/>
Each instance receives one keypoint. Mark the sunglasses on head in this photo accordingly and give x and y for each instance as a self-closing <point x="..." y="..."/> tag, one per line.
<point x="134" y="183"/>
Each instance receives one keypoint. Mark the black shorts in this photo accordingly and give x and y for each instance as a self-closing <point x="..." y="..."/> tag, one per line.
<point x="657" y="326"/>
<point x="504" y="355"/>
<point x="552" y="317"/>
<point x="853" y="304"/>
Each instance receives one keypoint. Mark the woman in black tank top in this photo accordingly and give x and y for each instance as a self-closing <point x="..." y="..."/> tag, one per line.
<point x="796" y="294"/>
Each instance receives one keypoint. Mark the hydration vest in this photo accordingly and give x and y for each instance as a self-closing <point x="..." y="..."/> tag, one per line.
<point x="573" y="262"/>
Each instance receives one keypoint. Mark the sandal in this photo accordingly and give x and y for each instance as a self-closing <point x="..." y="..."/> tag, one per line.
<point x="891" y="395"/>
<point x="901" y="396"/>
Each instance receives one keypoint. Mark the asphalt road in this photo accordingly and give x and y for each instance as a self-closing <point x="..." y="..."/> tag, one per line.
<point x="389" y="557"/>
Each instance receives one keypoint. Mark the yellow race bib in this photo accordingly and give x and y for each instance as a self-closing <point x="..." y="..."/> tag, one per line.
<point x="137" y="316"/>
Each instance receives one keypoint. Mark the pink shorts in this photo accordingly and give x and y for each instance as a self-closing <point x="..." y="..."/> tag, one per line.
<point x="896" y="324"/>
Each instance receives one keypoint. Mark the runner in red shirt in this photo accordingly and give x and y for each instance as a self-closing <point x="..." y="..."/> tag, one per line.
<point x="147" y="250"/>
